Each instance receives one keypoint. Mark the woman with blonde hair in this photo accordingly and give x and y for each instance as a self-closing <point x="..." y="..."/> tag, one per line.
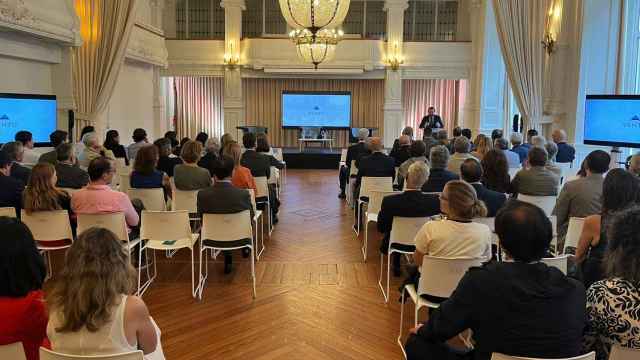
<point x="91" y="309"/>
<point x="241" y="177"/>
<point x="189" y="176"/>
<point x="482" y="145"/>
<point x="225" y="140"/>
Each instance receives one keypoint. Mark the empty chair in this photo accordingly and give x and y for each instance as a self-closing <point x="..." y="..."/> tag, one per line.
<point x="589" y="356"/>
<point x="46" y="354"/>
<point x="8" y="211"/>
<point x="114" y="222"/>
<point x="559" y="262"/>
<point x="375" y="202"/>
<point x="368" y="185"/>
<point x="622" y="353"/>
<point x="13" y="351"/>
<point x="573" y="233"/>
<point x="546" y="203"/>
<point x="153" y="199"/>
<point x="51" y="230"/>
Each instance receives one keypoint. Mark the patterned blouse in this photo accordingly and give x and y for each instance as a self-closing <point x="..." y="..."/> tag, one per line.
<point x="613" y="316"/>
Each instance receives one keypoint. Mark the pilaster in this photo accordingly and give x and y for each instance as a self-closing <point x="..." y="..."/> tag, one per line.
<point x="233" y="101"/>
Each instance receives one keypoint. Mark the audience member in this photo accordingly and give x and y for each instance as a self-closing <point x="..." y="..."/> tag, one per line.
<point x="10" y="188"/>
<point x="178" y="149"/>
<point x="552" y="150"/>
<point x="582" y="197"/>
<point x="417" y="149"/>
<point x="411" y="203"/>
<point x="612" y="303"/>
<point x="403" y="152"/>
<point x="15" y="152"/>
<point x="225" y="140"/>
<point x="354" y="152"/>
<point x="42" y="194"/>
<point x="22" y="273"/>
<point x="466" y="133"/>
<point x="263" y="147"/>
<point x="462" y="146"/>
<point x="375" y="165"/>
<point x="538" y="141"/>
<point x="482" y="145"/>
<point x="92" y="150"/>
<point x="471" y="172"/>
<point x="496" y="134"/>
<point x="112" y="142"/>
<point x="69" y="174"/>
<point x="457" y="131"/>
<point x="145" y="174"/>
<point x="166" y="162"/>
<point x="531" y="133"/>
<point x="634" y="164"/>
<point x="190" y="176"/>
<point x="91" y="311"/>
<point x="172" y="136"/>
<point x="260" y="166"/>
<point x="30" y="156"/>
<point x="79" y="146"/>
<point x="429" y="139"/>
<point x="566" y="152"/>
<point x="517" y="146"/>
<point x="442" y="138"/>
<point x="56" y="138"/>
<point x="241" y="177"/>
<point x="439" y="176"/>
<point x="495" y="172"/>
<point x="620" y="190"/>
<point x="513" y="159"/>
<point x="202" y="138"/>
<point x="139" y="141"/>
<point x="536" y="180"/>
<point x="541" y="311"/>
<point x="211" y="154"/>
<point x="408" y="130"/>
<point x="224" y="198"/>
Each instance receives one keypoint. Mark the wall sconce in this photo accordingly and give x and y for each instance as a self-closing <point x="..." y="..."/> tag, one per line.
<point x="395" y="59"/>
<point x="553" y="18"/>
<point x="231" y="59"/>
<point x="549" y="43"/>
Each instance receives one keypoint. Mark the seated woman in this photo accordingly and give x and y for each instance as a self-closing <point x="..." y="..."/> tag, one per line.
<point x="211" y="154"/>
<point x="22" y="272"/>
<point x="620" y="190"/>
<point x="262" y="146"/>
<point x="189" y="176"/>
<point x="482" y="145"/>
<point x="42" y="194"/>
<point x="145" y="175"/>
<point x="225" y="140"/>
<point x="91" y="309"/>
<point x="613" y="304"/>
<point x="495" y="171"/>
<point x="520" y="307"/>
<point x="166" y="160"/>
<point x="112" y="142"/>
<point x="241" y="177"/>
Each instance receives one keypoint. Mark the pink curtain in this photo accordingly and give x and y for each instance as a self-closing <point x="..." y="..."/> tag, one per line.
<point x="199" y="105"/>
<point x="419" y="95"/>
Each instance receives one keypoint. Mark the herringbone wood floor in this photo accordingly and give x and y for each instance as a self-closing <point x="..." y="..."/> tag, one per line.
<point x="316" y="298"/>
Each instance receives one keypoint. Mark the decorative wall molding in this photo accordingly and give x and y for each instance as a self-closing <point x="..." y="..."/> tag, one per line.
<point x="53" y="20"/>
<point x="147" y="46"/>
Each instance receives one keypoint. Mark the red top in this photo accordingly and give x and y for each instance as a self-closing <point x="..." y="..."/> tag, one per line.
<point x="243" y="179"/>
<point x="24" y="320"/>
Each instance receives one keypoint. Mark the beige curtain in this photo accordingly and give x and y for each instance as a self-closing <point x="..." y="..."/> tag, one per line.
<point x="521" y="27"/>
<point x="199" y="105"/>
<point x="105" y="26"/>
<point x="419" y="95"/>
<point x="263" y="101"/>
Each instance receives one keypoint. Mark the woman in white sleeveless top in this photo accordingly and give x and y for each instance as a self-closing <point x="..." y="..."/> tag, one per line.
<point x="90" y="309"/>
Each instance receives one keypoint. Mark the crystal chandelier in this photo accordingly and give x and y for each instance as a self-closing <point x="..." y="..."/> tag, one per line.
<point x="317" y="48"/>
<point x="314" y="15"/>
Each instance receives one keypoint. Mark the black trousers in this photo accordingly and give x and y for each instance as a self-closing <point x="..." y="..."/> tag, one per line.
<point x="343" y="177"/>
<point x="417" y="348"/>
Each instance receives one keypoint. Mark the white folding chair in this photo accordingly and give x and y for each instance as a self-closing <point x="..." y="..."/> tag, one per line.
<point x="438" y="277"/>
<point x="48" y="226"/>
<point x="559" y="262"/>
<point x="8" y="211"/>
<point x="13" y="351"/>
<point x="274" y="178"/>
<point x="46" y="354"/>
<point x="369" y="184"/>
<point x="403" y="232"/>
<point x="546" y="203"/>
<point x="375" y="202"/>
<point x="343" y="158"/>
<point x="114" y="222"/>
<point x="185" y="200"/>
<point x="169" y="231"/>
<point x="353" y="172"/>
<point x="152" y="199"/>
<point x="221" y="232"/>
<point x="262" y="197"/>
<point x="124" y="183"/>
<point x="567" y="171"/>
<point x="622" y="353"/>
<point x="554" y="239"/>
<point x="257" y="215"/>
<point x="574" y="231"/>
<point x="277" y="153"/>
<point x="497" y="356"/>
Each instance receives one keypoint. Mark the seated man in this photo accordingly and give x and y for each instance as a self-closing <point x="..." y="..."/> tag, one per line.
<point x="375" y="165"/>
<point x="15" y="151"/>
<point x="30" y="156"/>
<point x="536" y="180"/>
<point x="57" y="137"/>
<point x="633" y="165"/>
<point x="10" y="188"/>
<point x="224" y="198"/>
<point x="471" y="172"/>
<point x="521" y="307"/>
<point x="411" y="203"/>
<point x="518" y="148"/>
<point x="439" y="175"/>
<point x="462" y="147"/>
<point x="70" y="175"/>
<point x="429" y="140"/>
<point x="260" y="165"/>
<point x="354" y="152"/>
<point x="531" y="141"/>
<point x="403" y="152"/>
<point x="93" y="150"/>
<point x="418" y="149"/>
<point x="512" y="157"/>
<point x="408" y="130"/>
<point x="566" y="152"/>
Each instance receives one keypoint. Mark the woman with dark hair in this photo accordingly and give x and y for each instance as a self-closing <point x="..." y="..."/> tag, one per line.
<point x="22" y="273"/>
<point x="145" y="175"/>
<point x="620" y="190"/>
<point x="112" y="142"/>
<point x="263" y="147"/>
<point x="613" y="304"/>
<point x="495" y="171"/>
<point x="78" y="147"/>
<point x="202" y="138"/>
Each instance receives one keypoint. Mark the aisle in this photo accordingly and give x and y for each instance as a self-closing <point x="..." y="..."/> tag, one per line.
<point x="316" y="299"/>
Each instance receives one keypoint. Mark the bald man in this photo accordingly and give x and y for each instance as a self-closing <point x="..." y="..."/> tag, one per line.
<point x="377" y="164"/>
<point x="403" y="152"/>
<point x="566" y="153"/>
<point x="634" y="165"/>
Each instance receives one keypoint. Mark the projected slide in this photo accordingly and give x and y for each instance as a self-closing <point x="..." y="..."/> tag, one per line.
<point x="316" y="109"/>
<point x="612" y="121"/>
<point x="21" y="112"/>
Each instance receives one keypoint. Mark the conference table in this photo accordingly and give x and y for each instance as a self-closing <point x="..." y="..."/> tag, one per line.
<point x="302" y="142"/>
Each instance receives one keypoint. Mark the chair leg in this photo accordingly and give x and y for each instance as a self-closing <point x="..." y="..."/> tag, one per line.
<point x="388" y="274"/>
<point x="380" y="278"/>
<point x="193" y="280"/>
<point x="202" y="279"/>
<point x="253" y="273"/>
<point x="401" y="324"/>
<point x="366" y="238"/>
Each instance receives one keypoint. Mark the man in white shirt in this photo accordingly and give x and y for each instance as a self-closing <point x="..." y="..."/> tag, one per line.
<point x="462" y="146"/>
<point x="30" y="157"/>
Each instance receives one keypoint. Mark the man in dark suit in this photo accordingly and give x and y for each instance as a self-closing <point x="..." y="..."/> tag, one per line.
<point x="259" y="164"/>
<point x="354" y="152"/>
<point x="411" y="203"/>
<point x="10" y="188"/>
<point x="439" y="175"/>
<point x="403" y="152"/>
<point x="471" y="172"/>
<point x="15" y="152"/>
<point x="224" y="198"/>
<point x="56" y="138"/>
<point x="431" y="120"/>
<point x="69" y="174"/>
<point x="375" y="165"/>
<point x="566" y="153"/>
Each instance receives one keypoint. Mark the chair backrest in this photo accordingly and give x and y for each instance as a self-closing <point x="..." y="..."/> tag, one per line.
<point x="253" y="198"/>
<point x="13" y="351"/>
<point x="8" y="211"/>
<point x="622" y="353"/>
<point x="48" y="225"/>
<point x="115" y="222"/>
<point x="370" y="184"/>
<point x="573" y="232"/>
<point x="274" y="173"/>
<point x="354" y="168"/>
<point x="277" y="153"/>
<point x="440" y="276"/>
<point x="559" y="262"/>
<point x="489" y="221"/>
<point x="153" y="199"/>
<point x="375" y="200"/>
<point x="226" y="227"/>
<point x="343" y="155"/>
<point x="46" y="354"/>
<point x="124" y="182"/>
<point x="497" y="356"/>
<point x="165" y="225"/>
<point x="546" y="203"/>
<point x="262" y="186"/>
<point x="513" y="171"/>
<point x="185" y="200"/>
<point x="404" y="229"/>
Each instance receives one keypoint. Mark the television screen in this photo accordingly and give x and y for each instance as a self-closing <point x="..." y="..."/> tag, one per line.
<point x="612" y="120"/>
<point x="316" y="109"/>
<point x="34" y="113"/>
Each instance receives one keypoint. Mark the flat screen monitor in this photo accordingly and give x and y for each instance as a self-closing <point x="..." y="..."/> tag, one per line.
<point x="612" y="120"/>
<point x="331" y="110"/>
<point x="34" y="113"/>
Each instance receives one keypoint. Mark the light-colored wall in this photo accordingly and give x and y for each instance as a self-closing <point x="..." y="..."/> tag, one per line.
<point x="25" y="76"/>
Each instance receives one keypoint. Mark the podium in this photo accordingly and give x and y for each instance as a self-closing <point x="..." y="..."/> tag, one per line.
<point x="250" y="129"/>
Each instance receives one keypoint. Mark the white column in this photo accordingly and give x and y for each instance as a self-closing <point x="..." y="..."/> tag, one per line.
<point x="471" y="109"/>
<point x="62" y="82"/>
<point x="233" y="100"/>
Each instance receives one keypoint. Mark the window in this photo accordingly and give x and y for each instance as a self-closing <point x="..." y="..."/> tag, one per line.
<point x="263" y="18"/>
<point x="199" y="19"/>
<point x="366" y="19"/>
<point x="431" y="20"/>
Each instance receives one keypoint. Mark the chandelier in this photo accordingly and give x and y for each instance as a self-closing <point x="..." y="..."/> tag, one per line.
<point x="317" y="48"/>
<point x="314" y="15"/>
